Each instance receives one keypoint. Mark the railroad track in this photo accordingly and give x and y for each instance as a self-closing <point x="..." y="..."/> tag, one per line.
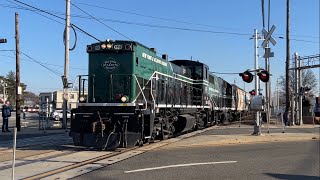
<point x="69" y="164"/>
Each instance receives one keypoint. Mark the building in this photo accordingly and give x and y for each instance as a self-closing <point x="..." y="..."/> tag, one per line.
<point x="55" y="99"/>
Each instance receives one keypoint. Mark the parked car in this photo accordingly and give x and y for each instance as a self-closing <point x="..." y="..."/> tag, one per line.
<point x="31" y="109"/>
<point x="58" y="114"/>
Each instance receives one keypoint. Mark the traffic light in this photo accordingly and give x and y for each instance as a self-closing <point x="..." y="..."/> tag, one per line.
<point x="253" y="92"/>
<point x="246" y="76"/>
<point x="264" y="76"/>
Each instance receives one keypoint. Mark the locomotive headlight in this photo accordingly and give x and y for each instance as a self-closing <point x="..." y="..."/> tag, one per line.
<point x="109" y="46"/>
<point x="82" y="99"/>
<point x="124" y="99"/>
<point x="103" y="46"/>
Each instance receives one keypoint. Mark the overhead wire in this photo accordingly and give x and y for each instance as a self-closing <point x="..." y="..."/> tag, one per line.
<point x="170" y="19"/>
<point x="50" y="69"/>
<point x="101" y="22"/>
<point x="170" y="27"/>
<point x="49" y="13"/>
<point x="41" y="64"/>
<point x="268" y="15"/>
<point x="27" y="9"/>
<point x="125" y="22"/>
<point x="222" y="73"/>
<point x="153" y="17"/>
<point x="45" y="63"/>
<point x="262" y="9"/>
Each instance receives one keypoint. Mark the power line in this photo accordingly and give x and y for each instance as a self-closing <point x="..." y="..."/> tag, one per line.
<point x="51" y="70"/>
<point x="44" y="63"/>
<point x="301" y="40"/>
<point x="222" y="73"/>
<point x="153" y="17"/>
<point x="126" y="22"/>
<point x="47" y="12"/>
<point x="262" y="9"/>
<point x="101" y="22"/>
<point x="166" y="27"/>
<point x="173" y="20"/>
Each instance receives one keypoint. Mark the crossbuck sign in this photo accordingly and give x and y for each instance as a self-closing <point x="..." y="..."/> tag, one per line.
<point x="268" y="37"/>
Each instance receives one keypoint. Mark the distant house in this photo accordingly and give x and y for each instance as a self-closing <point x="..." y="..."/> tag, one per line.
<point x="55" y="99"/>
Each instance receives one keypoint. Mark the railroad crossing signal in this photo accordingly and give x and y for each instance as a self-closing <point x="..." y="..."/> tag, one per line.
<point x="246" y="76"/>
<point x="252" y="93"/>
<point x="264" y="76"/>
<point x="268" y="36"/>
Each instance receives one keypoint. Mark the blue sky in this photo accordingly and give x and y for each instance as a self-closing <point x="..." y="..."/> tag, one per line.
<point x="41" y="38"/>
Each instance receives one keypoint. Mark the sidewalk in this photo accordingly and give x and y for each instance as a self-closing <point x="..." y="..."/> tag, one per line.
<point x="219" y="139"/>
<point x="29" y="128"/>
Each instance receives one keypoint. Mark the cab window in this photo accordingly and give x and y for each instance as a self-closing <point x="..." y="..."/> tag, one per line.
<point x="198" y="72"/>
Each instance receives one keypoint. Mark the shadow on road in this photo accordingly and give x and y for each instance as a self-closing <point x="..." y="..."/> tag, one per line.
<point x="292" y="177"/>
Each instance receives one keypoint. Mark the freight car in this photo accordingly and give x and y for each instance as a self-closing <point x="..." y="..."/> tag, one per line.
<point x="135" y="96"/>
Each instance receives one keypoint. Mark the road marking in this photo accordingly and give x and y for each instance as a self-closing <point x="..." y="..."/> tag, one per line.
<point x="179" y="165"/>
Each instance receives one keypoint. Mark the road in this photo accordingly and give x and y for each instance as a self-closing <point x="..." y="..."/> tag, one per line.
<point x="224" y="152"/>
<point x="265" y="160"/>
<point x="287" y="160"/>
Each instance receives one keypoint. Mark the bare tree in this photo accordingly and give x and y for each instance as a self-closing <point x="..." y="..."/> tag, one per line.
<point x="308" y="80"/>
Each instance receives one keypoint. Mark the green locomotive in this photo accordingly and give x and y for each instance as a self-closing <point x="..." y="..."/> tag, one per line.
<point x="135" y="96"/>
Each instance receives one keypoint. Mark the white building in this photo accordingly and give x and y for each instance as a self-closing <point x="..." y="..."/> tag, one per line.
<point x="55" y="99"/>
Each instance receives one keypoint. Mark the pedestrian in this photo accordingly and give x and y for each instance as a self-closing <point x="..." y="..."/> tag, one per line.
<point x="285" y="118"/>
<point x="6" y="113"/>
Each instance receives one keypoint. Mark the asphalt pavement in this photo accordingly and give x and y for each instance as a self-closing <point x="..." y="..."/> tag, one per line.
<point x="219" y="152"/>
<point x="31" y="126"/>
<point x="278" y="160"/>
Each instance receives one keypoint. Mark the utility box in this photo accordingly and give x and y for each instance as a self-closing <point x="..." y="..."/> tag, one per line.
<point x="257" y="103"/>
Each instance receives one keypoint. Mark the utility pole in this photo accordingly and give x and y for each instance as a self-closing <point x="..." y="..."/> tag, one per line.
<point x="267" y="85"/>
<point x="18" y="87"/>
<point x="66" y="65"/>
<point x="299" y="87"/>
<point x="256" y="129"/>
<point x="296" y="87"/>
<point x="287" y="60"/>
<point x="278" y="98"/>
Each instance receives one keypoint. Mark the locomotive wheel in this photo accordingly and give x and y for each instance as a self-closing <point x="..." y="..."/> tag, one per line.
<point x="166" y="134"/>
<point x="200" y="124"/>
<point x="171" y="131"/>
<point x="223" y="119"/>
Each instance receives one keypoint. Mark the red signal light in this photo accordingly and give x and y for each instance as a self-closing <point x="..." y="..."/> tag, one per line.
<point x="264" y="76"/>
<point x="253" y="92"/>
<point x="246" y="76"/>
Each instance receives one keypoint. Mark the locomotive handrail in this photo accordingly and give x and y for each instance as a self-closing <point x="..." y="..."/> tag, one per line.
<point x="140" y="91"/>
<point x="154" y="101"/>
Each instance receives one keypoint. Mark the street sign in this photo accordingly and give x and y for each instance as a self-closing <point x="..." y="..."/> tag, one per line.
<point x="268" y="53"/>
<point x="19" y="90"/>
<point x="268" y="37"/>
